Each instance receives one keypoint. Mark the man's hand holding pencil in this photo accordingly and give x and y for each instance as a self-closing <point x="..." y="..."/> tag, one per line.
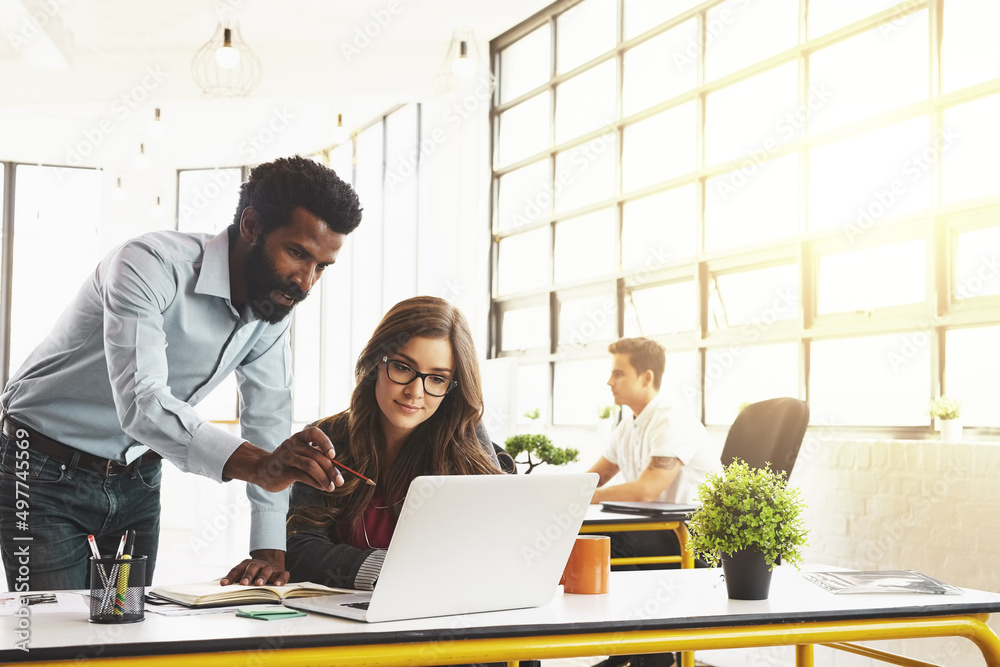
<point x="305" y="457"/>
<point x="308" y="457"/>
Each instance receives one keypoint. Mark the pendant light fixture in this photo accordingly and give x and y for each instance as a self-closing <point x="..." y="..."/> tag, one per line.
<point x="461" y="63"/>
<point x="340" y="133"/>
<point x="225" y="66"/>
<point x="156" y="127"/>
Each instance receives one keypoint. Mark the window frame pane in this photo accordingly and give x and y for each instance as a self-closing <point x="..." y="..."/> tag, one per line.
<point x="672" y="229"/>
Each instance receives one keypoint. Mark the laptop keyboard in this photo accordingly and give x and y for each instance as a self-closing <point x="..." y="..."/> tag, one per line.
<point x="356" y="605"/>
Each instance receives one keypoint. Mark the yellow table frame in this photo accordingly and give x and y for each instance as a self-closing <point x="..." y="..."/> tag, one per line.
<point x="685" y="559"/>
<point x="801" y="635"/>
<point x="679" y="527"/>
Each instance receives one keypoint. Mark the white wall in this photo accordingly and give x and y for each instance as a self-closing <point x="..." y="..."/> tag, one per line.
<point x="892" y="505"/>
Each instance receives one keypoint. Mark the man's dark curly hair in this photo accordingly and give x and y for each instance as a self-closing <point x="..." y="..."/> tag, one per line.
<point x="276" y="188"/>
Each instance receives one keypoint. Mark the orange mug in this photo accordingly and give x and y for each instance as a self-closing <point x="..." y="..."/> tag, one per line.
<point x="588" y="566"/>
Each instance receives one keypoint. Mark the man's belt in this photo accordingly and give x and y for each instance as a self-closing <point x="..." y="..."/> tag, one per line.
<point x="38" y="442"/>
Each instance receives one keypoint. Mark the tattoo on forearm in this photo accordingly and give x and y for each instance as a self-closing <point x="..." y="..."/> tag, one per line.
<point x="664" y="462"/>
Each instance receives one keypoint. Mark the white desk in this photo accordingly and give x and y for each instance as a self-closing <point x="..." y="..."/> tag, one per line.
<point x="649" y="611"/>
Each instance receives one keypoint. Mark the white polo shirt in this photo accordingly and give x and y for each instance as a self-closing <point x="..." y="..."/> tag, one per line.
<point x="667" y="430"/>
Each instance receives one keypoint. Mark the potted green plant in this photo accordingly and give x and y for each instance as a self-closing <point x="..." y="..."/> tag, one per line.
<point x="749" y="520"/>
<point x="542" y="447"/>
<point x="947" y="412"/>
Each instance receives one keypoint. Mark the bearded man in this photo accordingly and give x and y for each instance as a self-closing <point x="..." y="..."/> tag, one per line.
<point x="163" y="320"/>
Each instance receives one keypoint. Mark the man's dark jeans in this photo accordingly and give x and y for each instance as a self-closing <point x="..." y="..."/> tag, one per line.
<point x="47" y="511"/>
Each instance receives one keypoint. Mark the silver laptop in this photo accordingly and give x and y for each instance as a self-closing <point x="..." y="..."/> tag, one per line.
<point x="471" y="543"/>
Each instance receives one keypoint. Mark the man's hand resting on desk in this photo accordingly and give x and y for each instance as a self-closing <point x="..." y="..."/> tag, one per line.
<point x="265" y="566"/>
<point x="305" y="457"/>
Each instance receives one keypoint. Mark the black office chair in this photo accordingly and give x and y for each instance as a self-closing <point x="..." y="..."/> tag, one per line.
<point x="505" y="459"/>
<point x="770" y="431"/>
<point x="767" y="432"/>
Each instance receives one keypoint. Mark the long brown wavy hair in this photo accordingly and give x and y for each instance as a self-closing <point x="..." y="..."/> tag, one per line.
<point x="444" y="444"/>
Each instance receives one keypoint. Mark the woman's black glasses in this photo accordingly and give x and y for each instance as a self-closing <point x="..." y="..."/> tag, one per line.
<point x="400" y="373"/>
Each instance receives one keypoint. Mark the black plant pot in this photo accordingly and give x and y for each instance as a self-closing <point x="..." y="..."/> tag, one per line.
<point x="748" y="577"/>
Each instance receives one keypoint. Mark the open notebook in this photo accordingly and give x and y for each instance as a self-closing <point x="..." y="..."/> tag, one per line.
<point x="211" y="594"/>
<point x="471" y="543"/>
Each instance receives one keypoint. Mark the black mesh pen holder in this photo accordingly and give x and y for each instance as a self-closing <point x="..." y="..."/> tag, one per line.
<point x="117" y="589"/>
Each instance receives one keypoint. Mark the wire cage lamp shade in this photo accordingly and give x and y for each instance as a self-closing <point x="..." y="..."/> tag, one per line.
<point x="225" y="66"/>
<point x="463" y="67"/>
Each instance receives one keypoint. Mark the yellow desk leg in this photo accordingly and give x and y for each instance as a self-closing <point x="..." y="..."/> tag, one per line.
<point x="687" y="560"/>
<point x="803" y="655"/>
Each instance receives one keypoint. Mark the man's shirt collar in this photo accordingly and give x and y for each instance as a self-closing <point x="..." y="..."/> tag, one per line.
<point x="213" y="279"/>
<point x="643" y="418"/>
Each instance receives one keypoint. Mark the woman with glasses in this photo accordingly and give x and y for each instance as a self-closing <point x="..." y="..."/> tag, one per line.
<point x="415" y="411"/>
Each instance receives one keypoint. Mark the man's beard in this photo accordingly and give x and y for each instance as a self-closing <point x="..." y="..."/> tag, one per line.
<point x="262" y="281"/>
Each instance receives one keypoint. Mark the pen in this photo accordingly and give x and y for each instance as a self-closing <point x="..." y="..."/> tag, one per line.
<point x="38" y="598"/>
<point x="123" y="575"/>
<point x="109" y="590"/>
<point x="129" y="542"/>
<point x="121" y="546"/>
<point x="97" y="556"/>
<point x="122" y="587"/>
<point x="93" y="547"/>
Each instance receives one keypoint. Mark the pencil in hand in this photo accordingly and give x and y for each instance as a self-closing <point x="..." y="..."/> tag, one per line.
<point x="353" y="472"/>
<point x="338" y="464"/>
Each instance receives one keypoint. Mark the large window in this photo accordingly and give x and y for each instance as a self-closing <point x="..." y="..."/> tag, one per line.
<point x="814" y="214"/>
<point x="376" y="268"/>
<point x="56" y="244"/>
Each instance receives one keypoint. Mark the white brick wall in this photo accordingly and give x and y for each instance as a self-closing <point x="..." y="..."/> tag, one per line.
<point x="922" y="505"/>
